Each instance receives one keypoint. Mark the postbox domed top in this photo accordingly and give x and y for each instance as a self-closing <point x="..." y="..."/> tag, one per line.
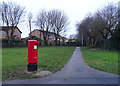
<point x="33" y="40"/>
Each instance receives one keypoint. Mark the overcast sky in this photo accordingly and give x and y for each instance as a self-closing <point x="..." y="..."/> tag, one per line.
<point x="76" y="10"/>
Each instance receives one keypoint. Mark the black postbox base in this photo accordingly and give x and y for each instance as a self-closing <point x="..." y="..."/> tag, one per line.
<point x="32" y="67"/>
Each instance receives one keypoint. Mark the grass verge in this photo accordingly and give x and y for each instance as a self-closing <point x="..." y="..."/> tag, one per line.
<point x="101" y="59"/>
<point x="14" y="60"/>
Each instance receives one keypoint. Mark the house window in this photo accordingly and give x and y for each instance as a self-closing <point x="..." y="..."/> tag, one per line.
<point x="3" y="32"/>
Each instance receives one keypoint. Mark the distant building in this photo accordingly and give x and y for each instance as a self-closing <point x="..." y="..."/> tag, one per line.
<point x="5" y="32"/>
<point x="50" y="37"/>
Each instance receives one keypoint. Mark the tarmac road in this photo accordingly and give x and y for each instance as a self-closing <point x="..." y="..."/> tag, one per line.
<point x="76" y="71"/>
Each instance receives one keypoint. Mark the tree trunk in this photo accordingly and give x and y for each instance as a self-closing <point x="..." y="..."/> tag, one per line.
<point x="45" y="39"/>
<point x="56" y="40"/>
<point x="10" y="39"/>
<point x="59" y="41"/>
<point x="46" y="43"/>
<point x="82" y="39"/>
<point x="30" y="26"/>
<point x="94" y="43"/>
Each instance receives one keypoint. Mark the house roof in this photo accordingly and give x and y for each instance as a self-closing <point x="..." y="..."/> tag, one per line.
<point x="48" y="33"/>
<point x="6" y="28"/>
<point x="41" y="31"/>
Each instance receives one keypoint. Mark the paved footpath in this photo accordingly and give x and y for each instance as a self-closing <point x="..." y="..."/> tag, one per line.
<point x="76" y="71"/>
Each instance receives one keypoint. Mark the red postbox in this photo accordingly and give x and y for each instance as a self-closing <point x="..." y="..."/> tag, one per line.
<point x="32" y="55"/>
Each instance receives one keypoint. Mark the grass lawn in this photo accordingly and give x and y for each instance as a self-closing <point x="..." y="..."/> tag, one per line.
<point x="101" y="59"/>
<point x="14" y="60"/>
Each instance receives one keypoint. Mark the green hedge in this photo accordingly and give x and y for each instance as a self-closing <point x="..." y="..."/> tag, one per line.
<point x="111" y="44"/>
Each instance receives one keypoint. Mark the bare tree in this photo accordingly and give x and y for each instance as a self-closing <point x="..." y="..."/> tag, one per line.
<point x="11" y="14"/>
<point x="72" y="36"/>
<point x="88" y="31"/>
<point x="30" y="20"/>
<point x="109" y="15"/>
<point x="58" y="23"/>
<point x="100" y="25"/>
<point x="54" y="21"/>
<point x="4" y="13"/>
<point x="42" y="23"/>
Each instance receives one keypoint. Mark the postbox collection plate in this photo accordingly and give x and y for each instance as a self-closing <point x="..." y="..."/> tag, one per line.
<point x="35" y="46"/>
